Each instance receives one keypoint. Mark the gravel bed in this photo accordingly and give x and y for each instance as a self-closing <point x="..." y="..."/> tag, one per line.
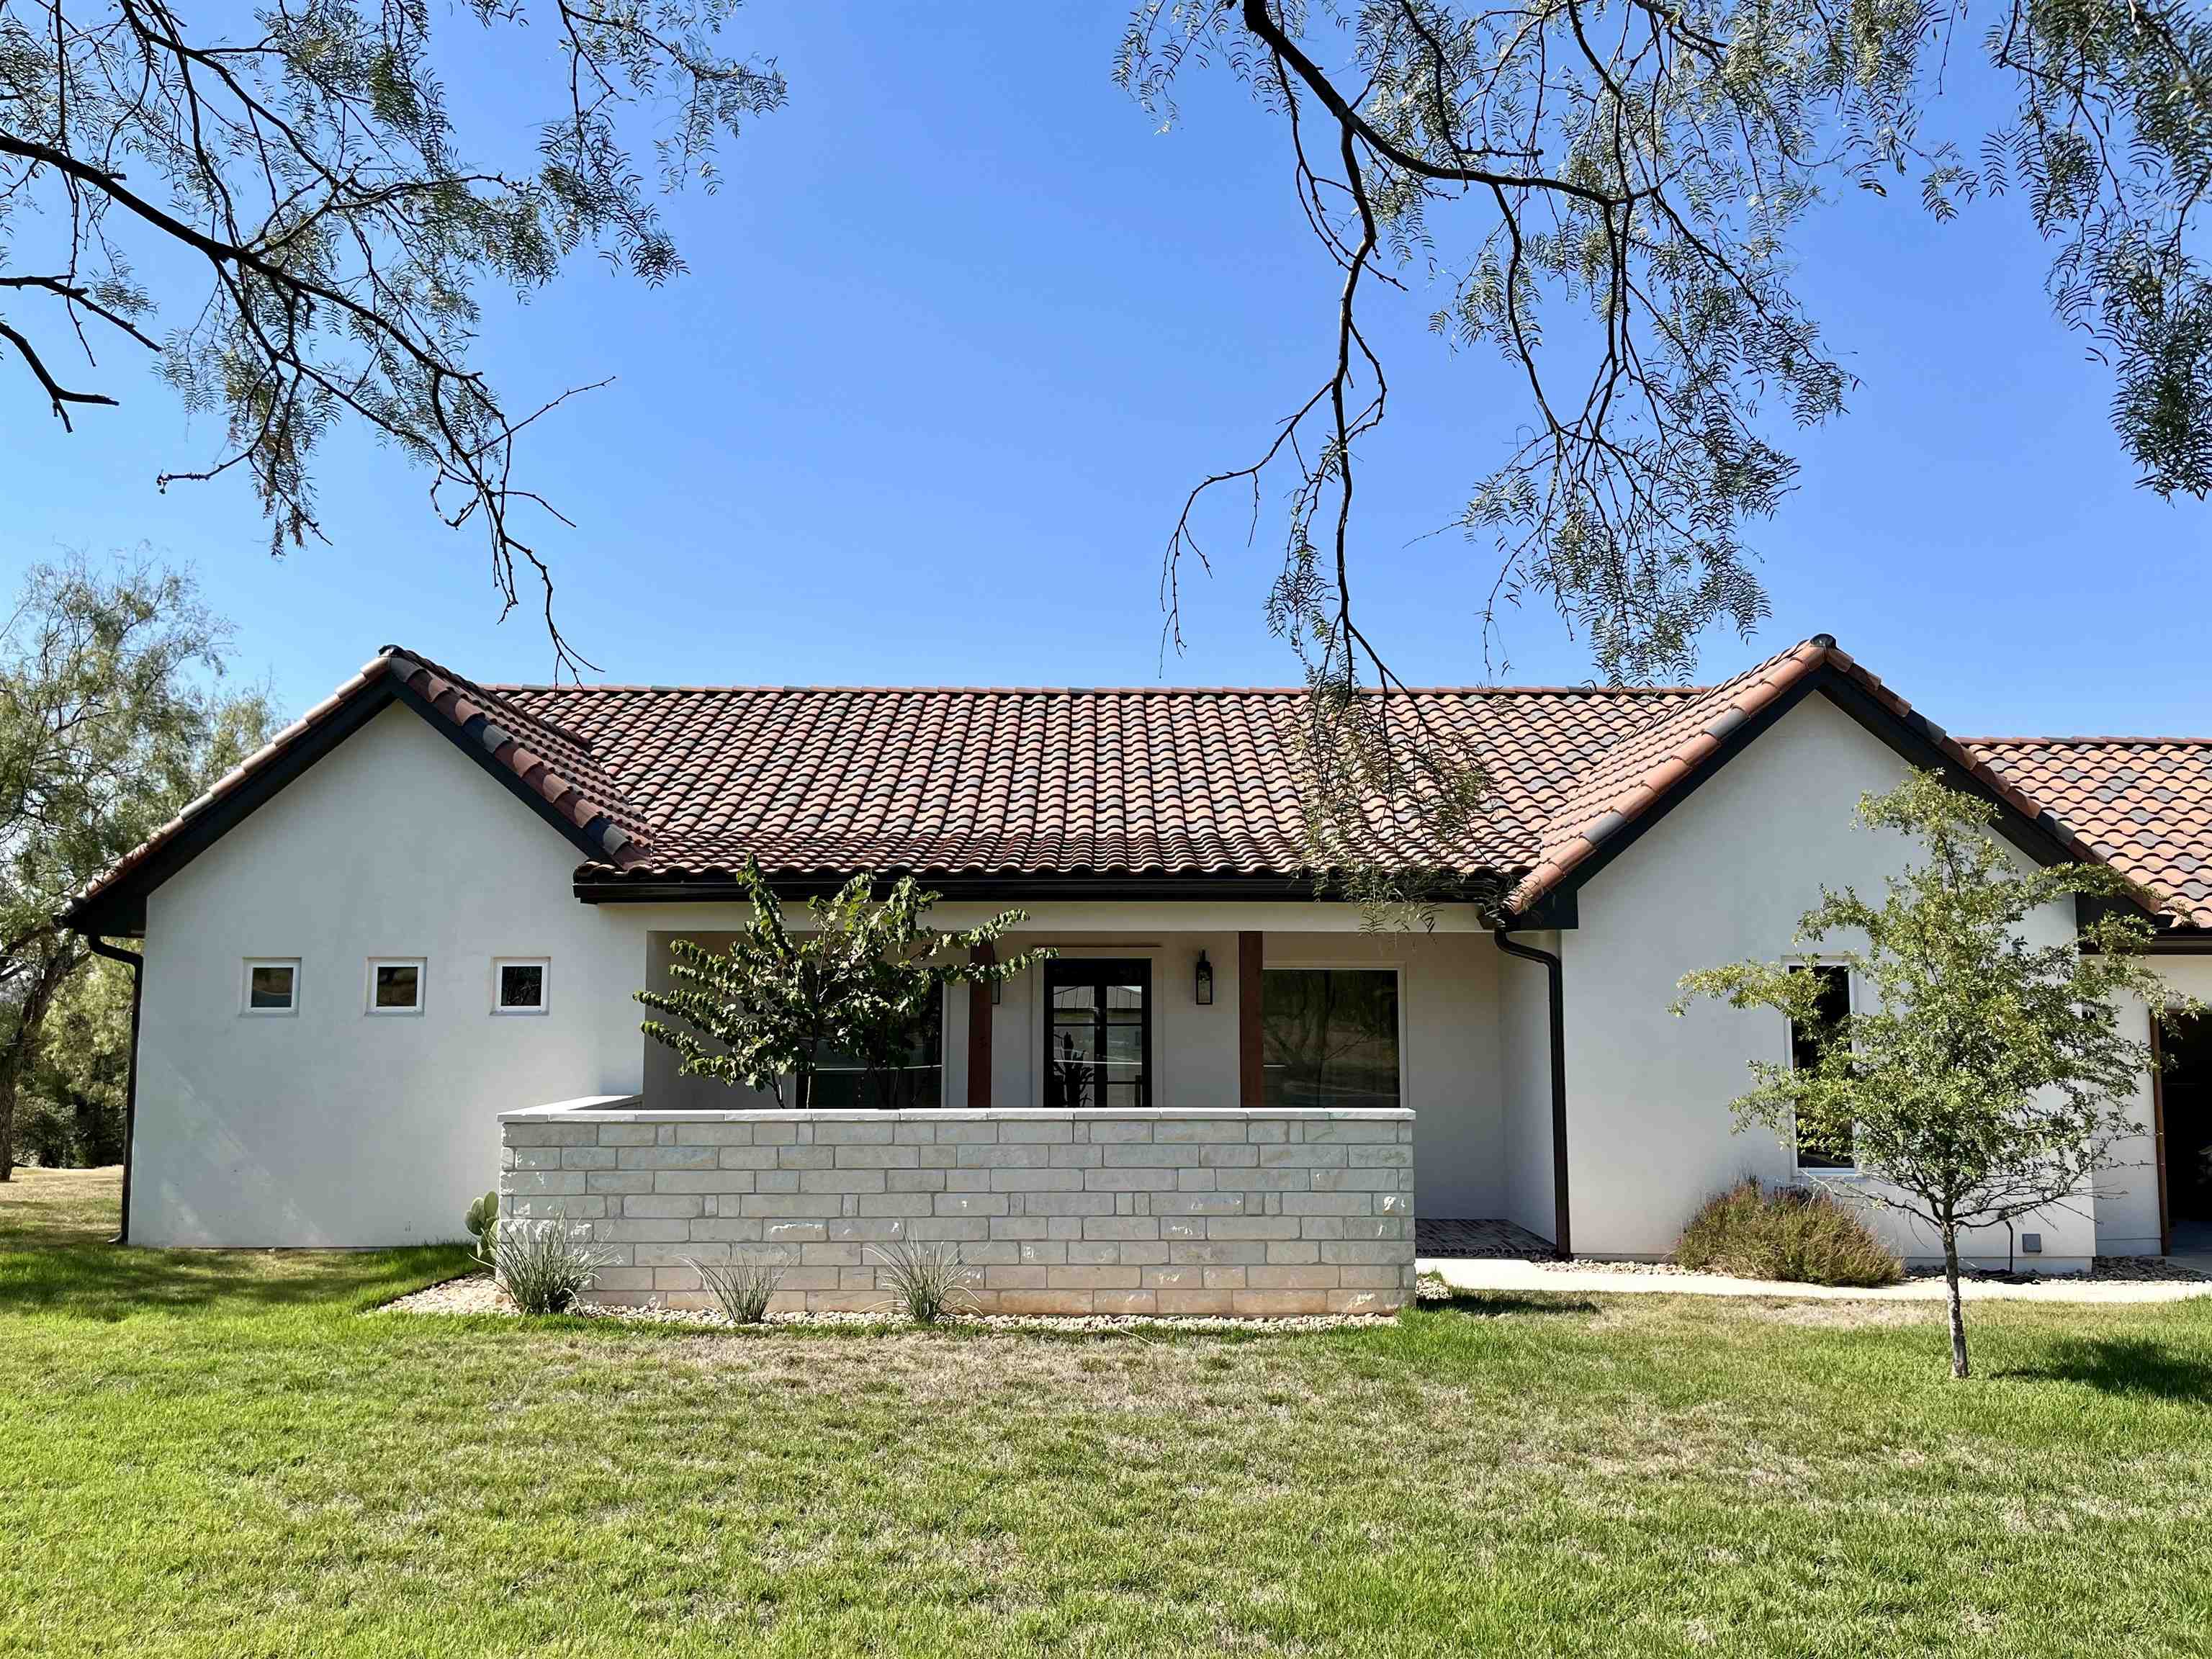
<point x="477" y="1294"/>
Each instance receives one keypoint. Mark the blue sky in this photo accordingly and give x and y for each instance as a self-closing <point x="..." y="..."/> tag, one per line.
<point x="961" y="328"/>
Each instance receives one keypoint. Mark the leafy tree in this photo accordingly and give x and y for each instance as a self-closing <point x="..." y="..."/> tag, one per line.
<point x="857" y="980"/>
<point x="1985" y="1077"/>
<point x="71" y="1106"/>
<point x="288" y="222"/>
<point x="109" y="723"/>
<point x="1610" y="194"/>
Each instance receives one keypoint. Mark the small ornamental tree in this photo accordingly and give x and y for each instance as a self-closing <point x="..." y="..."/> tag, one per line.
<point x="857" y="980"/>
<point x="1984" y="1077"/>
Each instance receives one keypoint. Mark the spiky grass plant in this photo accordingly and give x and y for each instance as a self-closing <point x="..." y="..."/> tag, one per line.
<point x="744" y="1287"/>
<point x="926" y="1279"/>
<point x="546" y="1264"/>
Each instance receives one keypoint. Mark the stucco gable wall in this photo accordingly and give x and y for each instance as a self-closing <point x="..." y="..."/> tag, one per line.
<point x="1724" y="876"/>
<point x="393" y="844"/>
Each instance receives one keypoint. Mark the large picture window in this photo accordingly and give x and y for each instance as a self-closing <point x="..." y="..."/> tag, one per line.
<point x="1098" y="1032"/>
<point x="1833" y="1006"/>
<point x="1329" y="1036"/>
<point x="910" y="1075"/>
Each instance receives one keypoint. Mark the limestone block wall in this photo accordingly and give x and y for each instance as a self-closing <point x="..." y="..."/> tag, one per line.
<point x="1162" y="1211"/>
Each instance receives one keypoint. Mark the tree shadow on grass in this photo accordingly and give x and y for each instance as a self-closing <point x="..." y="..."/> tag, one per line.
<point x="111" y="1282"/>
<point x="2123" y="1365"/>
<point x="1497" y="1304"/>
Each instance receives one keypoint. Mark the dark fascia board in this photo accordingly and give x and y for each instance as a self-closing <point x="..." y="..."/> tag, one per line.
<point x="595" y="888"/>
<point x="1913" y="737"/>
<point x="120" y="912"/>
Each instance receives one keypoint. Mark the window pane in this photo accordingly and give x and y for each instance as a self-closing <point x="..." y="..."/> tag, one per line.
<point x="271" y="988"/>
<point x="1096" y="1023"/>
<point x="522" y="985"/>
<point x="1833" y="1006"/>
<point x="1330" y="1036"/>
<point x="908" y="1074"/>
<point x="398" y="985"/>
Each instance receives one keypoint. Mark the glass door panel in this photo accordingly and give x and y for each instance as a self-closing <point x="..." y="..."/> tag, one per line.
<point x="1098" y="1033"/>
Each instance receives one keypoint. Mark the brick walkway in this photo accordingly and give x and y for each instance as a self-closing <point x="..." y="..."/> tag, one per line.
<point x="1472" y="1241"/>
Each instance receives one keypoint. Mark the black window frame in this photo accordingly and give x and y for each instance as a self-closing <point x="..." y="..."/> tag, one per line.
<point x="1099" y="971"/>
<point x="1392" y="971"/>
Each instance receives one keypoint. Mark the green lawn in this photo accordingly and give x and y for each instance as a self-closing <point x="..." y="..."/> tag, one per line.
<point x="224" y="1454"/>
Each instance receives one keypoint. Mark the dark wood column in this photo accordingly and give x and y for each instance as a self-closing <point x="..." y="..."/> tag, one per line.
<point x="1251" y="1077"/>
<point x="979" y="1036"/>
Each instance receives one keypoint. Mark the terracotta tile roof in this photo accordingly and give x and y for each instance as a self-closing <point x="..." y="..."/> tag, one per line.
<point x="2143" y="805"/>
<point x="684" y="782"/>
<point x="969" y="781"/>
<point x="1640" y="771"/>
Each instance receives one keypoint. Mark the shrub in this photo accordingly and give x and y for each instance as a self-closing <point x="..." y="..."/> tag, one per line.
<point x="483" y="1222"/>
<point x="1801" y="1234"/>
<point x="926" y="1278"/>
<point x="743" y="1286"/>
<point x="545" y="1265"/>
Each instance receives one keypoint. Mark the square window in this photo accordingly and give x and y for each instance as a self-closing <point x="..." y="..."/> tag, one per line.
<point x="273" y="986"/>
<point x="395" y="985"/>
<point x="519" y="984"/>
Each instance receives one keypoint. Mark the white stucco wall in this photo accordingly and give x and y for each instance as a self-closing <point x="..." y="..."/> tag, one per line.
<point x="1724" y="877"/>
<point x="394" y="844"/>
<point x="1526" y="1196"/>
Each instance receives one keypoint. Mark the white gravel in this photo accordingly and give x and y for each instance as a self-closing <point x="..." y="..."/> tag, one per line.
<point x="477" y="1294"/>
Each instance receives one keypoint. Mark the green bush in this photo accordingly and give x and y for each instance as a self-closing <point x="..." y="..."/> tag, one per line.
<point x="1801" y="1234"/>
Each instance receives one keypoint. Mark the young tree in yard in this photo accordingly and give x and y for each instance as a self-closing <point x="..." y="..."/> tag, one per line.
<point x="856" y="981"/>
<point x="284" y="222"/>
<point x="107" y="727"/>
<point x="1982" y="1077"/>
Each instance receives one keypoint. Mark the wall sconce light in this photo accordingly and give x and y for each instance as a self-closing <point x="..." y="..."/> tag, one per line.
<point x="1205" y="981"/>
<point x="998" y="986"/>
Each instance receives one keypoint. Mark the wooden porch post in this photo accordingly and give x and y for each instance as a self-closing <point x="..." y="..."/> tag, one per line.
<point x="978" y="1036"/>
<point x="1251" y="1076"/>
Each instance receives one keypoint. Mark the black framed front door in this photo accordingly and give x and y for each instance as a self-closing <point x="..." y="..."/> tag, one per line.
<point x="1098" y="1032"/>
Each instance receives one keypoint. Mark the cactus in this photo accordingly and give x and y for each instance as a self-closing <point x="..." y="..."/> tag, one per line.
<point x="483" y="1222"/>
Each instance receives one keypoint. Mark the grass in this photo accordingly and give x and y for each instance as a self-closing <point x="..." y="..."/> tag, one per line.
<point x="224" y="1454"/>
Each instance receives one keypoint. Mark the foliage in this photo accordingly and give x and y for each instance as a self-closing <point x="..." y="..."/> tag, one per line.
<point x="1613" y="196"/>
<point x="483" y="1222"/>
<point x="545" y="1265"/>
<point x="857" y="980"/>
<point x="926" y="1279"/>
<point x="112" y="718"/>
<point x="1802" y="1235"/>
<point x="1984" y="1076"/>
<point x="71" y="1106"/>
<point x="744" y="1285"/>
<point x="287" y="222"/>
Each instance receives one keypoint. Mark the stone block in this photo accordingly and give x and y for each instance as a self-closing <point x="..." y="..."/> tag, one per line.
<point x="1039" y="1181"/>
<point x="878" y="1157"/>
<point x="714" y="1134"/>
<point x="669" y="1157"/>
<point x="896" y="1204"/>
<point x="1017" y="1130"/>
<point x="663" y="1207"/>
<point x="840" y="1181"/>
<point x="1094" y="1279"/>
<point x="1291" y="1278"/>
<point x="1192" y="1304"/>
<point x="621" y="1181"/>
<point x="1269" y="1304"/>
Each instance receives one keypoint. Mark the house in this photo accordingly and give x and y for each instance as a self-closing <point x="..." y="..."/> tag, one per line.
<point x="429" y="903"/>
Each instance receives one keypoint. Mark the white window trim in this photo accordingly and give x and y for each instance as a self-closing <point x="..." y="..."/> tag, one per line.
<point x="422" y="967"/>
<point x="544" y="986"/>
<point x="1361" y="965"/>
<point x="1851" y="1172"/>
<point x="246" y="1007"/>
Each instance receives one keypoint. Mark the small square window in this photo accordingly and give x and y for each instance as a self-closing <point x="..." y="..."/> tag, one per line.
<point x="519" y="984"/>
<point x="395" y="985"/>
<point x="273" y="986"/>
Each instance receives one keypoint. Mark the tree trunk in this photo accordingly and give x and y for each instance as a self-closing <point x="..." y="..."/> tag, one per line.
<point x="14" y="1060"/>
<point x="1959" y="1368"/>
